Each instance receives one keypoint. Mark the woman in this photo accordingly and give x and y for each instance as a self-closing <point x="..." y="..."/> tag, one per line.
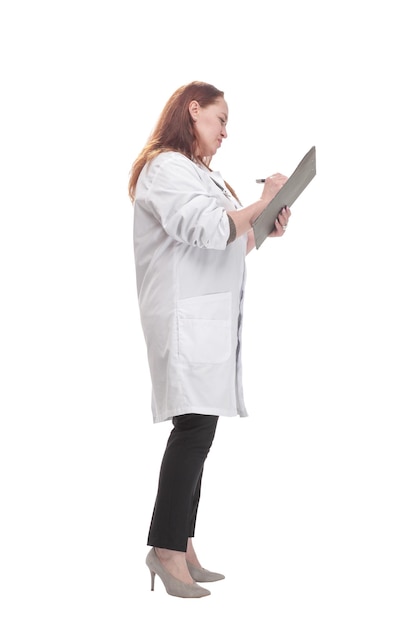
<point x="191" y="236"/>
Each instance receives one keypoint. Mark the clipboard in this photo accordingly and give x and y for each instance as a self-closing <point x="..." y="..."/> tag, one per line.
<point x="286" y="196"/>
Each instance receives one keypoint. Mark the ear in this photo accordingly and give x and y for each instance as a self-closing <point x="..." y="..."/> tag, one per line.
<point x="194" y="109"/>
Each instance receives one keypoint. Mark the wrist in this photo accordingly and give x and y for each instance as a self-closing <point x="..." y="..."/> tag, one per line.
<point x="258" y="207"/>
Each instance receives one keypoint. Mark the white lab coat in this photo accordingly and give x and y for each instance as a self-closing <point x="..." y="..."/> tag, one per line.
<point x="190" y="288"/>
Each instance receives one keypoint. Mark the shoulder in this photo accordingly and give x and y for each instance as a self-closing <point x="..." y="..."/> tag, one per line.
<point x="172" y="160"/>
<point x="170" y="167"/>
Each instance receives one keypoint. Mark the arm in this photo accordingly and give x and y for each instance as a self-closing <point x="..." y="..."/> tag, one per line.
<point x="280" y="226"/>
<point x="251" y="241"/>
<point x="175" y="192"/>
<point x="244" y="218"/>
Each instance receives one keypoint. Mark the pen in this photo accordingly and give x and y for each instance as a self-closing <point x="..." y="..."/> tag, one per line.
<point x="260" y="180"/>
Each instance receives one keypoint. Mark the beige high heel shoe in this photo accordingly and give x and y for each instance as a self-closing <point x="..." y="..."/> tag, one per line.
<point x="201" y="575"/>
<point x="173" y="586"/>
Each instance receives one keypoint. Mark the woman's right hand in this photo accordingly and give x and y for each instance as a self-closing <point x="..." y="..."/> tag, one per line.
<point x="272" y="185"/>
<point x="244" y="218"/>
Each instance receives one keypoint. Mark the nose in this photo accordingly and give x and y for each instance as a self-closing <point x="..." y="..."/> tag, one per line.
<point x="224" y="132"/>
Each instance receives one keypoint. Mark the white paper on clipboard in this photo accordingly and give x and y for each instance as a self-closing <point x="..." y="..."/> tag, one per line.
<point x="286" y="196"/>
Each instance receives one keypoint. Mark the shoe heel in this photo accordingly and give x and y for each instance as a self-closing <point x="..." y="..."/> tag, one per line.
<point x="152" y="580"/>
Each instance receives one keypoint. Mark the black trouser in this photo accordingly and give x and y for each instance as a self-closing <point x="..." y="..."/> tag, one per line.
<point x="175" y="512"/>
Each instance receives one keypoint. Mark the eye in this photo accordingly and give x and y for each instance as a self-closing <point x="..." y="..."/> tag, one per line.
<point x="223" y="121"/>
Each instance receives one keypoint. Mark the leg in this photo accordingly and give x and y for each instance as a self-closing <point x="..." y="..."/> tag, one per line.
<point x="175" y="511"/>
<point x="190" y="553"/>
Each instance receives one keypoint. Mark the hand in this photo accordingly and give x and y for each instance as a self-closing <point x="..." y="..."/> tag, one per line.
<point x="281" y="222"/>
<point x="272" y="185"/>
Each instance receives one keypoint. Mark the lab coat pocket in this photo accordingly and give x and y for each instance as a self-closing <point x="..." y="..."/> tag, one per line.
<point x="204" y="328"/>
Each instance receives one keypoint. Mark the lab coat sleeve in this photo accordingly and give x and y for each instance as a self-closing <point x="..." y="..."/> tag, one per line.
<point x="183" y="203"/>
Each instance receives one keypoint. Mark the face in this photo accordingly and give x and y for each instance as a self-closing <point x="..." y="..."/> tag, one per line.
<point x="210" y="126"/>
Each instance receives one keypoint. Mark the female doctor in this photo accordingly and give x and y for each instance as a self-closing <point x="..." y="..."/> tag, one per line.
<point x="191" y="236"/>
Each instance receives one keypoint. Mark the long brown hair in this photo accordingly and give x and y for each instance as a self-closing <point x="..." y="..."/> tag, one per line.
<point x="174" y="130"/>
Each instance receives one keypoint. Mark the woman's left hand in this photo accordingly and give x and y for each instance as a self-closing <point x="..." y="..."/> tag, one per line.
<point x="281" y="222"/>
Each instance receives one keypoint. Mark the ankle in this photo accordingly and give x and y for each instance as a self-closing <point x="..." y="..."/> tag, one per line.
<point x="190" y="555"/>
<point x="165" y="554"/>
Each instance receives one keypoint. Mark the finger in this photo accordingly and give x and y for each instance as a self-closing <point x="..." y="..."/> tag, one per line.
<point x="284" y="217"/>
<point x="279" y="229"/>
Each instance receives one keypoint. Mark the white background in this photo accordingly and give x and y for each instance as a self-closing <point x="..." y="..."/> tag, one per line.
<point x="309" y="505"/>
